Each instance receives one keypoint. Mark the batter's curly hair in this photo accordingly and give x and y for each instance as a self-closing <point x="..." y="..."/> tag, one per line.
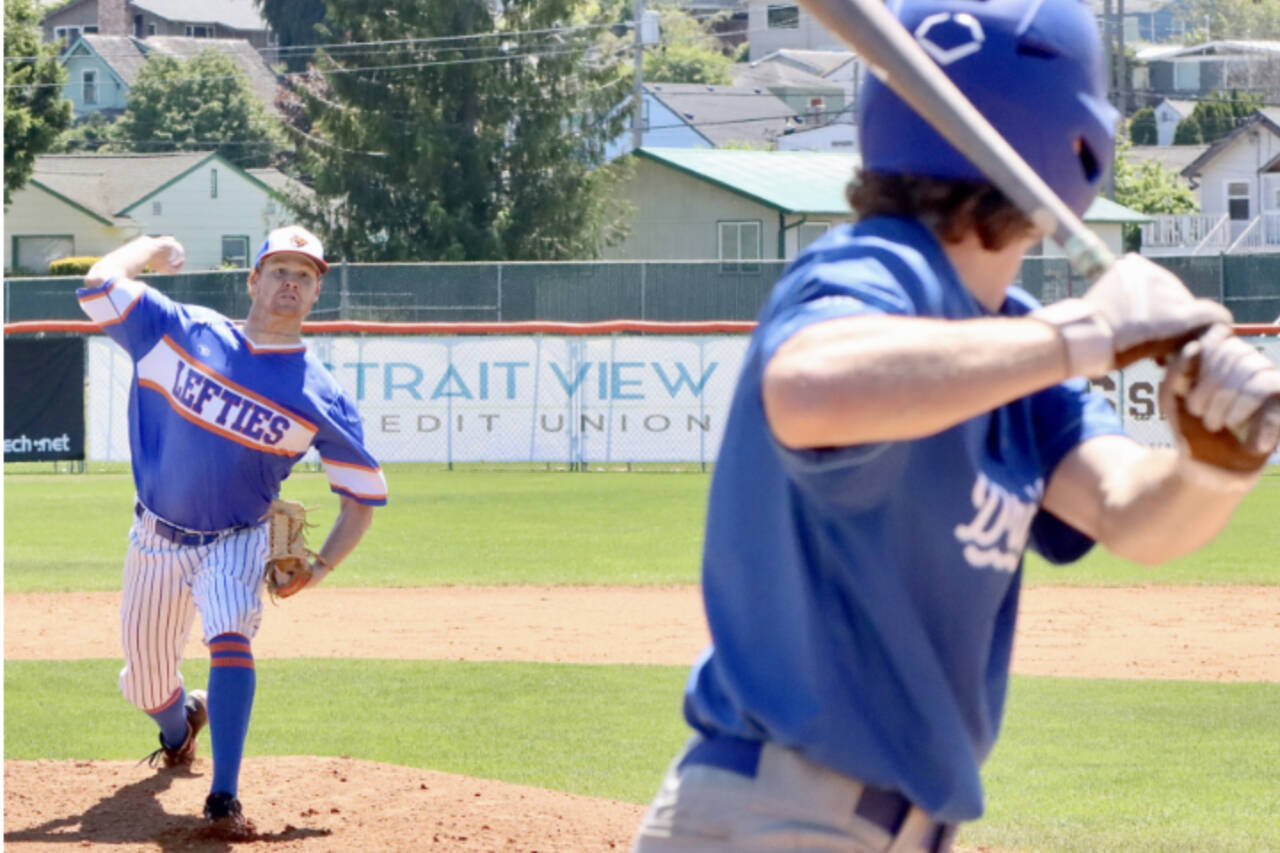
<point x="950" y="208"/>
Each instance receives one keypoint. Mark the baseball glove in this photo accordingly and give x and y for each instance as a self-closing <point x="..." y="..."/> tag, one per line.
<point x="289" y="564"/>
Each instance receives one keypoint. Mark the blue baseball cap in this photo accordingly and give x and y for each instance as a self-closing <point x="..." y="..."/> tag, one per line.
<point x="295" y="239"/>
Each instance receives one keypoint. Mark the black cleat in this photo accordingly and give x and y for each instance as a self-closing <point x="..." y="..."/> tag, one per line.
<point x="197" y="708"/>
<point x="226" y="820"/>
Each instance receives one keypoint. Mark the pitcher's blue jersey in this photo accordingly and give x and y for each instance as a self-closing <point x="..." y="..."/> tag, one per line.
<point x="862" y="599"/>
<point x="215" y="422"/>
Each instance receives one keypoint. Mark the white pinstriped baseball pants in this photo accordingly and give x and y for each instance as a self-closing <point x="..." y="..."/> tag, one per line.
<point x="165" y="585"/>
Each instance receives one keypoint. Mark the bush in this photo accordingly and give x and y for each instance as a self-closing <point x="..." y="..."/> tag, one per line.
<point x="1188" y="132"/>
<point x="1142" y="127"/>
<point x="75" y="265"/>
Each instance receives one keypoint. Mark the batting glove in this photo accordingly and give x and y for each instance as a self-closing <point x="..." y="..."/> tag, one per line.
<point x="1211" y="396"/>
<point x="1137" y="309"/>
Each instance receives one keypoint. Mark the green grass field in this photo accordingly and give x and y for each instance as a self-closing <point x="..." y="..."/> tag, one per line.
<point x="1083" y="765"/>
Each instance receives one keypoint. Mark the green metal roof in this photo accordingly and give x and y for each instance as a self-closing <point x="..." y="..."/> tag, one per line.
<point x="807" y="181"/>
<point x="788" y="181"/>
<point x="1106" y="210"/>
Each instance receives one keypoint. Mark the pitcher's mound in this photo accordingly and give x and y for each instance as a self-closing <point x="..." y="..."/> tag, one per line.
<point x="299" y="803"/>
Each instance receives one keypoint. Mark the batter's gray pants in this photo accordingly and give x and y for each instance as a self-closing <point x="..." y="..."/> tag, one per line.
<point x="790" y="804"/>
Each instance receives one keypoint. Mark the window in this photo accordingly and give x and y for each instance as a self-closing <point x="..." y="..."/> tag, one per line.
<point x="198" y="32"/>
<point x="739" y="246"/>
<point x="91" y="29"/>
<point x="810" y="231"/>
<point x="1238" y="199"/>
<point x="784" y="17"/>
<point x="156" y="208"/>
<point x="89" y="86"/>
<point x="33" y="254"/>
<point x="67" y="34"/>
<point x="213" y="183"/>
<point x="1271" y="192"/>
<point x="151" y="29"/>
<point x="1186" y="76"/>
<point x="235" y="251"/>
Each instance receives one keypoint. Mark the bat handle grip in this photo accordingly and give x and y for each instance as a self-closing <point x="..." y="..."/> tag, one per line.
<point x="1264" y="429"/>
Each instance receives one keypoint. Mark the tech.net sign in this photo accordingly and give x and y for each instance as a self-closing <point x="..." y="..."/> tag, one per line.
<point x="549" y="399"/>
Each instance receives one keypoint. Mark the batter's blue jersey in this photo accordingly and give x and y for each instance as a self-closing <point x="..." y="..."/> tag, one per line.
<point x="215" y="422"/>
<point x="862" y="599"/>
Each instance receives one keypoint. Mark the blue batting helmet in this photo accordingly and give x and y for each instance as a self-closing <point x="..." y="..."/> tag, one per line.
<point x="1034" y="68"/>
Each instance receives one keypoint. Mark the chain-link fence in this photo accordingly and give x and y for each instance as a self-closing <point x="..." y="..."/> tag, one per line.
<point x="607" y="290"/>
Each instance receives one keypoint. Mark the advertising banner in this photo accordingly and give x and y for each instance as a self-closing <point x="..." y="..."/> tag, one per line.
<point x="536" y="398"/>
<point x="43" y="399"/>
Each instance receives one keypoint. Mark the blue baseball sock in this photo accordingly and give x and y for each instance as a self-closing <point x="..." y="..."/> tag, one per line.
<point x="231" y="685"/>
<point x="172" y="719"/>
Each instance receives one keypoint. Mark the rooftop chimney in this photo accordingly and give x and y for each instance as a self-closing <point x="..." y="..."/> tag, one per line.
<point x="113" y="18"/>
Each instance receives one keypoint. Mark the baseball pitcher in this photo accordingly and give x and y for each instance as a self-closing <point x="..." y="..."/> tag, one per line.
<point x="218" y="415"/>
<point x="906" y="424"/>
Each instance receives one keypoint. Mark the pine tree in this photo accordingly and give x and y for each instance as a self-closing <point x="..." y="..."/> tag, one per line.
<point x="482" y="141"/>
<point x="298" y="25"/>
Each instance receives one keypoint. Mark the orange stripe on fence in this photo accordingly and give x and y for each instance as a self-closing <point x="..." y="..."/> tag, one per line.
<point x="340" y="327"/>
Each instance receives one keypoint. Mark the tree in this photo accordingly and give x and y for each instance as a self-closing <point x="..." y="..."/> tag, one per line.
<point x="298" y="25"/>
<point x="1188" y="132"/>
<point x="201" y="104"/>
<point x="1149" y="188"/>
<point x="35" y="113"/>
<point x="689" y="52"/>
<point x="483" y="141"/>
<point x="1219" y="114"/>
<point x="1228" y="19"/>
<point x="1142" y="127"/>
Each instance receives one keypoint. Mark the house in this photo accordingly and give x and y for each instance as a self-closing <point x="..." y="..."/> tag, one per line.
<point x="776" y="25"/>
<point x="224" y="19"/>
<point x="835" y="66"/>
<point x="837" y="133"/>
<point x="1238" y="181"/>
<point x="745" y="207"/>
<point x="101" y="69"/>
<point x="88" y="204"/>
<point x="807" y="94"/>
<point x="695" y="115"/>
<point x="1169" y="114"/>
<point x="1215" y="66"/>
<point x="1147" y="20"/>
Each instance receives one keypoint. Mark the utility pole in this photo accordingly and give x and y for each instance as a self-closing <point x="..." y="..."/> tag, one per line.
<point x="637" y="89"/>
<point x="1122" y="63"/>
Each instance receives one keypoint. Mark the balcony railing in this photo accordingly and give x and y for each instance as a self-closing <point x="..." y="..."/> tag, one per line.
<point x="1197" y="233"/>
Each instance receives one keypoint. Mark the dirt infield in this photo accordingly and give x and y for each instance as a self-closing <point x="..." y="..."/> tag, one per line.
<point x="1221" y="634"/>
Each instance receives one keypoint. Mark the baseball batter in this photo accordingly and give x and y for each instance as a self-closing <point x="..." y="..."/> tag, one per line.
<point x="218" y="415"/>
<point x="905" y="425"/>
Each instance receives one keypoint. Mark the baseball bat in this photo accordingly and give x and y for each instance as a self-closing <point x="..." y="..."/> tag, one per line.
<point x="893" y="54"/>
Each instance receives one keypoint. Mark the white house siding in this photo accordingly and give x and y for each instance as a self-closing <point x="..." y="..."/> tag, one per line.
<point x="1167" y="121"/>
<point x="809" y="35"/>
<point x="1112" y="233"/>
<point x="112" y="94"/>
<point x="37" y="213"/>
<point x="676" y="217"/>
<point x="200" y="221"/>
<point x="1239" y="162"/>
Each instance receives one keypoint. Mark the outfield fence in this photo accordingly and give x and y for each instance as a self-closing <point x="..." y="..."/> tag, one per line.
<point x="593" y="291"/>
<point x="573" y="394"/>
